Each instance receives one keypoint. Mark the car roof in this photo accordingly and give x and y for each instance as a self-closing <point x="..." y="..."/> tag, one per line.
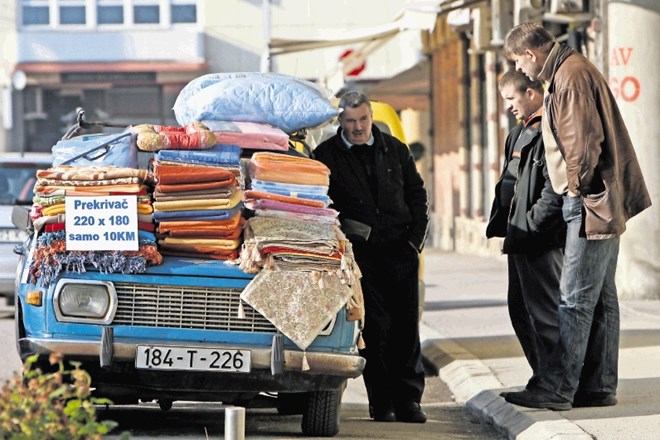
<point x="30" y="157"/>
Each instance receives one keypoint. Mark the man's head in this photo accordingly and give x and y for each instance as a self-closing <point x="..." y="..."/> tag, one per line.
<point x="522" y="96"/>
<point x="528" y="46"/>
<point x="356" y="117"/>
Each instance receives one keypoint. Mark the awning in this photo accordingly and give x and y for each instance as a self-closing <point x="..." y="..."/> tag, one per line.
<point x="412" y="17"/>
<point x="409" y="89"/>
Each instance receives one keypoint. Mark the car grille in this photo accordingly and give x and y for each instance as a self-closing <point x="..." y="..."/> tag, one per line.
<point x="186" y="307"/>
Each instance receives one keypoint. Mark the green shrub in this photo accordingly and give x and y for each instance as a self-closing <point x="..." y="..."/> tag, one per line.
<point x="53" y="406"/>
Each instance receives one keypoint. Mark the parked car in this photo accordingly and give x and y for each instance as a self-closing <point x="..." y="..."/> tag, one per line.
<point x="17" y="177"/>
<point x="173" y="332"/>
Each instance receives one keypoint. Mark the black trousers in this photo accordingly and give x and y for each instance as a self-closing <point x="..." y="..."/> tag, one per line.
<point x="533" y="300"/>
<point x="390" y="273"/>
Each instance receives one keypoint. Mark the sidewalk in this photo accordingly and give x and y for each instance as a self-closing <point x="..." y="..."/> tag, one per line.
<point x="467" y="336"/>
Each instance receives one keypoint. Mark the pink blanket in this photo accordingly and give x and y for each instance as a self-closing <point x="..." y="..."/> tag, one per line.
<point x="249" y="135"/>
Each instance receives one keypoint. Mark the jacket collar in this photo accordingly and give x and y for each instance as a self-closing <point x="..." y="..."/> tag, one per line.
<point x="556" y="57"/>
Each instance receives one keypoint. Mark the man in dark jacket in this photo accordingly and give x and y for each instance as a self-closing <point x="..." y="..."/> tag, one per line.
<point x="383" y="210"/>
<point x="527" y="213"/>
<point x="593" y="165"/>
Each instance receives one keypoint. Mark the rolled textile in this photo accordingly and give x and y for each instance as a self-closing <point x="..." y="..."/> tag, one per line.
<point x="93" y="173"/>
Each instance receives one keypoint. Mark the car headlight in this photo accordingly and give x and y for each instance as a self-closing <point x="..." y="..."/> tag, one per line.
<point x="85" y="301"/>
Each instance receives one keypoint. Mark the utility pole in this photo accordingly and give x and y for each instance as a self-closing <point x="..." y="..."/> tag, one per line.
<point x="265" y="55"/>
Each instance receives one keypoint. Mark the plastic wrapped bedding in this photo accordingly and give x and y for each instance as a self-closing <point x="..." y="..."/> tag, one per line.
<point x="279" y="100"/>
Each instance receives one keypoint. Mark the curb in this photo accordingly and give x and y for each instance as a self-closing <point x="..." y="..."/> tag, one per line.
<point x="476" y="387"/>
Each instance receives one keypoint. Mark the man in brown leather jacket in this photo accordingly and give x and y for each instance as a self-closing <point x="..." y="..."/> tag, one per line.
<point x="592" y="163"/>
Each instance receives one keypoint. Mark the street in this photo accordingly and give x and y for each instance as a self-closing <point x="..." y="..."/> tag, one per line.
<point x="194" y="420"/>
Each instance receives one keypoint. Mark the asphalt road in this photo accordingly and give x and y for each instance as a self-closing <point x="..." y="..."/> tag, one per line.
<point x="193" y="420"/>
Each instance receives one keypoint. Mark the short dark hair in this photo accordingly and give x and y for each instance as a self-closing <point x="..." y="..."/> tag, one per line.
<point x="527" y="36"/>
<point x="353" y="100"/>
<point x="520" y="82"/>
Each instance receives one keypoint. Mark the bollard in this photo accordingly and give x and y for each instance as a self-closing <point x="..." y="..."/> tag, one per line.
<point x="234" y="423"/>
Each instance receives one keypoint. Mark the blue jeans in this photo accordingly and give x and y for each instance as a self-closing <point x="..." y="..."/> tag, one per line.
<point x="587" y="356"/>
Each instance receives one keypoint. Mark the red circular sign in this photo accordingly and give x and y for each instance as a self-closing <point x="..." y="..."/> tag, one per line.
<point x="358" y="69"/>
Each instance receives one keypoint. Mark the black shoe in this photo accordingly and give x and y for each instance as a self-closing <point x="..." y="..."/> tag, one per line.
<point x="505" y="393"/>
<point x="383" y="414"/>
<point x="410" y="412"/>
<point x="538" y="398"/>
<point x="587" y="400"/>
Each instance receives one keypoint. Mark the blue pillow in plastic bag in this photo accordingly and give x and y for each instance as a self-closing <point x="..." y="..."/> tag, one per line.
<point x="97" y="149"/>
<point x="283" y="101"/>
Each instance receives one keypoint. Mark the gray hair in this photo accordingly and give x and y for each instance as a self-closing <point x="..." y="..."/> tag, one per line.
<point x="354" y="100"/>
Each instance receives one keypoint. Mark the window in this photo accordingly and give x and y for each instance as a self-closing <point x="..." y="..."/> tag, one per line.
<point x="72" y="12"/>
<point x="110" y="12"/>
<point x="184" y="13"/>
<point x="35" y="12"/>
<point x="146" y="13"/>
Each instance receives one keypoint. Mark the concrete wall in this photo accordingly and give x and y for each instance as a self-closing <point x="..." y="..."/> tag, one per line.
<point x="633" y="73"/>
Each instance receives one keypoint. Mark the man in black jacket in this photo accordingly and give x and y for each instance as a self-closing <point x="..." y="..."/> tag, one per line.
<point x="527" y="213"/>
<point x="383" y="210"/>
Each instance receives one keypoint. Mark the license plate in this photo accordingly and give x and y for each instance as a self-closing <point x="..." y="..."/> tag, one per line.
<point x="192" y="359"/>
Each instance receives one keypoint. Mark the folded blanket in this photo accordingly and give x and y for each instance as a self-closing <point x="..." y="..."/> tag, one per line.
<point x="251" y="195"/>
<point x="281" y="206"/>
<point x="250" y="135"/>
<point x="218" y="155"/>
<point x="220" y="193"/>
<point x="199" y="205"/>
<point x="95" y="173"/>
<point x="168" y="174"/>
<point x="278" y="187"/>
<point x="210" y="214"/>
<point x="178" y="187"/>
<point x="101" y="190"/>
<point x="296" y="216"/>
<point x="229" y="228"/>
<point x="205" y="252"/>
<point x="288" y="169"/>
<point x="212" y="242"/>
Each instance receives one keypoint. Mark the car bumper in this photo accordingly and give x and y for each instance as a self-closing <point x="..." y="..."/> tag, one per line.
<point x="321" y="363"/>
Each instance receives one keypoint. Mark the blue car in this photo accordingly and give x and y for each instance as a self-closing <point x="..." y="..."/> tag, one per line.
<point x="173" y="333"/>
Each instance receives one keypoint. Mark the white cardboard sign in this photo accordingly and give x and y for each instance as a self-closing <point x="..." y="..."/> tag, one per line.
<point x="101" y="223"/>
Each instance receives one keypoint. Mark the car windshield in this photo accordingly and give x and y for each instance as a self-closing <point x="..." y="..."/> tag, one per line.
<point x="17" y="182"/>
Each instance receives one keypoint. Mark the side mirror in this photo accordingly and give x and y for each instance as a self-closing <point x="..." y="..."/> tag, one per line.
<point x="20" y="217"/>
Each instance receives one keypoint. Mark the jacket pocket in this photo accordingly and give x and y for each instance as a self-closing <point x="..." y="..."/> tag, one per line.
<point x="603" y="215"/>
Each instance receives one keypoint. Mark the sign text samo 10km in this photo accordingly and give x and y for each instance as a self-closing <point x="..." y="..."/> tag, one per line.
<point x="101" y="223"/>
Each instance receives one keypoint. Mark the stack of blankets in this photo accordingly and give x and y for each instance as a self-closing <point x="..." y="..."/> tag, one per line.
<point x="48" y="214"/>
<point x="198" y="202"/>
<point x="289" y="187"/>
<point x="304" y="264"/>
